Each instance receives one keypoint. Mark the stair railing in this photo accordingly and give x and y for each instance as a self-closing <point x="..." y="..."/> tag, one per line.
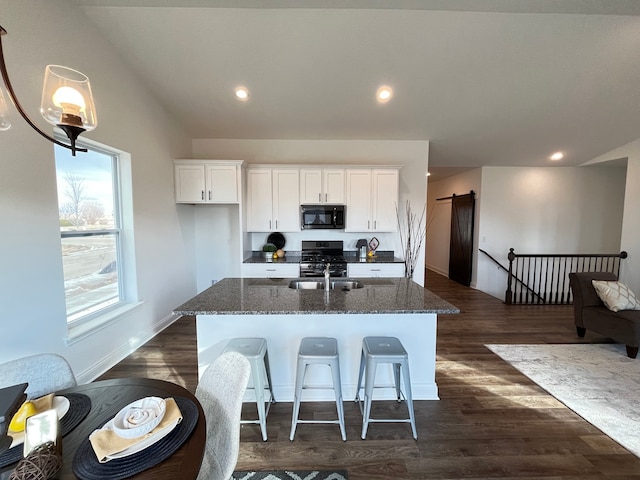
<point x="541" y="279"/>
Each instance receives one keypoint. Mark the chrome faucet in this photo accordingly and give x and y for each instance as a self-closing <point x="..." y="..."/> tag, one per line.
<point x="327" y="275"/>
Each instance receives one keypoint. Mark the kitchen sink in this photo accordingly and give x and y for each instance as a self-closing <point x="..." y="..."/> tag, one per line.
<point x="346" y="284"/>
<point x="306" y="284"/>
<point x="319" y="284"/>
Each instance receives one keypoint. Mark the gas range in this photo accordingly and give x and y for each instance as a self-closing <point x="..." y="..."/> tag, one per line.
<point x="316" y="254"/>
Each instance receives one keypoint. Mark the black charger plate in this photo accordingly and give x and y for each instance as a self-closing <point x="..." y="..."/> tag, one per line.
<point x="277" y="239"/>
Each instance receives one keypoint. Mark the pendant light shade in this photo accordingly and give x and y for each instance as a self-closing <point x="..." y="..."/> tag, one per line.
<point x="67" y="98"/>
<point x="67" y="102"/>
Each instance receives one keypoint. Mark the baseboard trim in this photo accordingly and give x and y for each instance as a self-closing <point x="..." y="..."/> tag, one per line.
<point x="126" y="349"/>
<point x="438" y="270"/>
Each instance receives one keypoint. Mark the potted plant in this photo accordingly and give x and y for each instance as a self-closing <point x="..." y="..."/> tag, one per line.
<point x="268" y="249"/>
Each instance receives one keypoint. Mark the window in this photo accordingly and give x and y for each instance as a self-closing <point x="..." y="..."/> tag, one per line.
<point x="89" y="205"/>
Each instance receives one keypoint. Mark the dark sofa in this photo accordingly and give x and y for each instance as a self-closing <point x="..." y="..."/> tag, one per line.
<point x="591" y="314"/>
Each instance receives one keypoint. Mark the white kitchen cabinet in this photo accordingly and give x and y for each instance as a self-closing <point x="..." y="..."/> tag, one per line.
<point x="322" y="185"/>
<point x="273" y="200"/>
<point x="372" y="270"/>
<point x="207" y="181"/>
<point x="270" y="270"/>
<point x="371" y="199"/>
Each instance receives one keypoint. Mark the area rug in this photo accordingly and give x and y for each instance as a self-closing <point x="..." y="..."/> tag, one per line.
<point x="597" y="381"/>
<point x="291" y="475"/>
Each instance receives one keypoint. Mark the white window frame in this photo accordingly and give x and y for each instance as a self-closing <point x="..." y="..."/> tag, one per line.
<point x="99" y="318"/>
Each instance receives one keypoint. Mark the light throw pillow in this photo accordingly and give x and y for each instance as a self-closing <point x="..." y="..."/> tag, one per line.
<point x="616" y="295"/>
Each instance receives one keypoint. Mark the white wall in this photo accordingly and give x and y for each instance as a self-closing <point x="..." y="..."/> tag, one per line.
<point x="439" y="218"/>
<point x="129" y="119"/>
<point x="412" y="155"/>
<point x="537" y="210"/>
<point x="629" y="242"/>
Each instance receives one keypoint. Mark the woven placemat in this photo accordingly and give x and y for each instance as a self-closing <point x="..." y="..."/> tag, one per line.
<point x="86" y="466"/>
<point x="79" y="407"/>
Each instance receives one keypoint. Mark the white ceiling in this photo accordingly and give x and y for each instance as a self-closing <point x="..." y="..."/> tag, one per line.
<point x="505" y="84"/>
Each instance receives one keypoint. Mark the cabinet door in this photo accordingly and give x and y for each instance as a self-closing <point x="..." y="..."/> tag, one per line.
<point x="333" y="182"/>
<point x="311" y="186"/>
<point x="259" y="200"/>
<point x="270" y="270"/>
<point x="375" y="270"/>
<point x="222" y="184"/>
<point x="358" y="200"/>
<point x="189" y="183"/>
<point x="286" y="200"/>
<point x="385" y="200"/>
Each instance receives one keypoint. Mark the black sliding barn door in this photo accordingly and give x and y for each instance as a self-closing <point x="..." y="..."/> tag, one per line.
<point x="461" y="244"/>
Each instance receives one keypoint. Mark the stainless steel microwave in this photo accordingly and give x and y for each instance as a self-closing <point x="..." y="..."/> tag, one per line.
<point x="322" y="217"/>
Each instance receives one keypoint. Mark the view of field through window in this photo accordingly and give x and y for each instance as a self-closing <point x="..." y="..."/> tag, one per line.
<point x="89" y="228"/>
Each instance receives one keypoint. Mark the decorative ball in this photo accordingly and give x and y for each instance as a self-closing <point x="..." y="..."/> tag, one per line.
<point x="42" y="463"/>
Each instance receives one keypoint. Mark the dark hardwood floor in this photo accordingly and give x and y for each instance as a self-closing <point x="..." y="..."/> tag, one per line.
<point x="491" y="421"/>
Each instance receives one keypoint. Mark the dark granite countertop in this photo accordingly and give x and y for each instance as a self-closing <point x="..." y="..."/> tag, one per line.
<point x="349" y="256"/>
<point x="261" y="296"/>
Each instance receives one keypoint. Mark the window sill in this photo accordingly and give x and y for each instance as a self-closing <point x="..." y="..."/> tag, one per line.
<point x="79" y="332"/>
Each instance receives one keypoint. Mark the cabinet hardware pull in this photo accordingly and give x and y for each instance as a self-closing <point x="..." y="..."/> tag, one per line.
<point x="375" y="224"/>
<point x="269" y="224"/>
<point x="319" y="197"/>
<point x="202" y="194"/>
<point x="368" y="224"/>
<point x="209" y="194"/>
<point x="276" y="224"/>
<point x="326" y="197"/>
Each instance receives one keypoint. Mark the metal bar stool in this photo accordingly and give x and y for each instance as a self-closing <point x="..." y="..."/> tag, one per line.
<point x="377" y="350"/>
<point x="318" y="351"/>
<point x="255" y="350"/>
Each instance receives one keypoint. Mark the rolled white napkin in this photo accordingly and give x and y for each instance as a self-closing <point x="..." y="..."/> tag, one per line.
<point x="147" y="412"/>
<point x="139" y="417"/>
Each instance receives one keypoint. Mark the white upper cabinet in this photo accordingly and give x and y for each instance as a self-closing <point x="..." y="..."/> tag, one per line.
<point x="358" y="205"/>
<point x="385" y="199"/>
<point x="273" y="200"/>
<point x="322" y="185"/>
<point x="371" y="199"/>
<point x="207" y="181"/>
<point x="259" y="200"/>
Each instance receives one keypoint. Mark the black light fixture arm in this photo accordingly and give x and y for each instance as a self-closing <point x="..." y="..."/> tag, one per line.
<point x="72" y="132"/>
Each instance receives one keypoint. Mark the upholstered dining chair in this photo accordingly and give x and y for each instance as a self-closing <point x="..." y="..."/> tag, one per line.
<point x="220" y="391"/>
<point x="44" y="372"/>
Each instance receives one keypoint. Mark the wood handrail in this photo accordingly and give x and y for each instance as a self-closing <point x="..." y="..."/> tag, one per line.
<point x="502" y="267"/>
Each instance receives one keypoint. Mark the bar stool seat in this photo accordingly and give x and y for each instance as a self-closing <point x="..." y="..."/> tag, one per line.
<point x="376" y="351"/>
<point x="318" y="351"/>
<point x="255" y="350"/>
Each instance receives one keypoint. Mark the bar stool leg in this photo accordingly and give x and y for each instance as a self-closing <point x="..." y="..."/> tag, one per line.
<point x="337" y="387"/>
<point x="258" y="386"/>
<point x="268" y="370"/>
<point x="302" y="367"/>
<point x="369" y="379"/>
<point x="360" y="374"/>
<point x="396" y="378"/>
<point x="409" y="398"/>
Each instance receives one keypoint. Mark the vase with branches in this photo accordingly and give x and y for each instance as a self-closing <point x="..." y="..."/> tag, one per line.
<point x="412" y="230"/>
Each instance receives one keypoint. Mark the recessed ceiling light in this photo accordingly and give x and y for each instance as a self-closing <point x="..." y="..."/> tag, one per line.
<point x="557" y="156"/>
<point x="384" y="94"/>
<point x="242" y="93"/>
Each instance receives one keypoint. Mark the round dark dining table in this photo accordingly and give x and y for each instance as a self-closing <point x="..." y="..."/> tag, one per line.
<point x="107" y="398"/>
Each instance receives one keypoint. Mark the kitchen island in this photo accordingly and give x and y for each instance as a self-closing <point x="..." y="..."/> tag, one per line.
<point x="269" y="308"/>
